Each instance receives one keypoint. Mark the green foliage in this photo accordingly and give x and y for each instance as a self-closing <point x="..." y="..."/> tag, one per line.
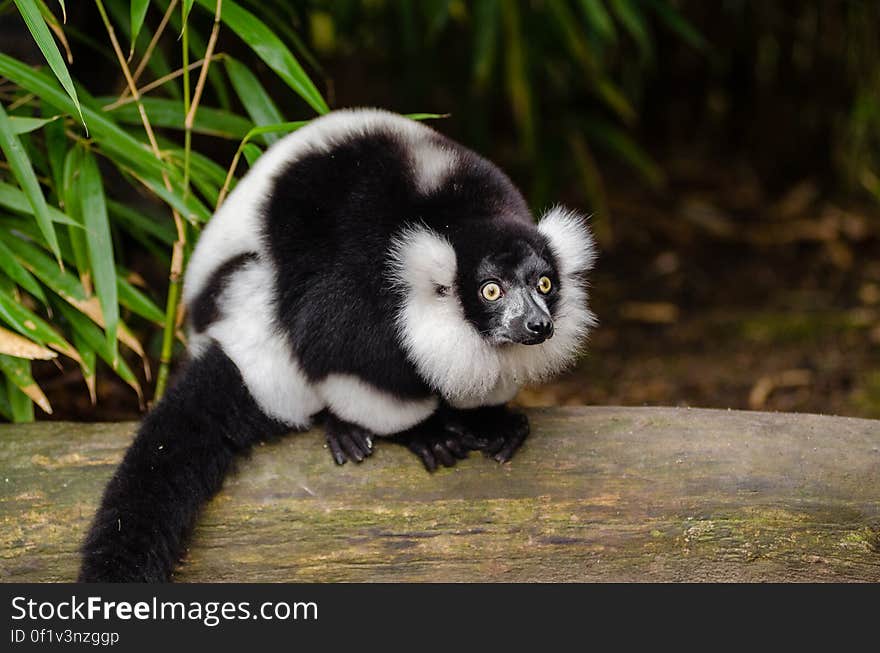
<point x="83" y="175"/>
<point x="65" y="231"/>
<point x="566" y="73"/>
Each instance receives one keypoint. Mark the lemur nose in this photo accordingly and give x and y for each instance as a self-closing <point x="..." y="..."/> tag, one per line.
<point x="542" y="327"/>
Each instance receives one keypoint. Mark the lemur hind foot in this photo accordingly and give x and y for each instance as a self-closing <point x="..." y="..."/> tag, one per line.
<point x="497" y="431"/>
<point x="434" y="445"/>
<point x="347" y="441"/>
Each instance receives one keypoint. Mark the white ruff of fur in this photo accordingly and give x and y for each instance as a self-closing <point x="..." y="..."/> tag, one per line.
<point x="575" y="252"/>
<point x="447" y="350"/>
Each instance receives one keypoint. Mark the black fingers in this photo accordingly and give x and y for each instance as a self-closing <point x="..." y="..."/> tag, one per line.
<point x="457" y="448"/>
<point x="516" y="435"/>
<point x="335" y="449"/>
<point x="348" y="441"/>
<point x="497" y="431"/>
<point x="421" y="449"/>
<point x="436" y="451"/>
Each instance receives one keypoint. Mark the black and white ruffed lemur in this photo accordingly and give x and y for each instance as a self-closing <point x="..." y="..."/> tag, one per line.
<point x="367" y="272"/>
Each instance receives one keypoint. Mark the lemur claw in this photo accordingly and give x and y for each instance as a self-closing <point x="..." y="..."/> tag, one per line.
<point x="436" y="450"/>
<point x="348" y="441"/>
<point x="498" y="432"/>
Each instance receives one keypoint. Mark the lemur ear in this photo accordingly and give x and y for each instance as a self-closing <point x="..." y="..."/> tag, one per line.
<point x="422" y="261"/>
<point x="570" y="239"/>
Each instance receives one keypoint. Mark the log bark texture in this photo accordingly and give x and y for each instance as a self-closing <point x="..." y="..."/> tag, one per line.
<point x="596" y="494"/>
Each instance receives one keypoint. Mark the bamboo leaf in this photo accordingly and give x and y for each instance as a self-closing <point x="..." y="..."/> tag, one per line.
<point x="251" y="154"/>
<point x="676" y="22"/>
<point x="70" y="195"/>
<point x="93" y="337"/>
<point x="5" y="405"/>
<point x="486" y="23"/>
<point x="12" y="198"/>
<point x="25" y="124"/>
<point x="55" y="26"/>
<point x="56" y="150"/>
<point x="254" y="98"/>
<point x="27" y="178"/>
<point x="205" y="175"/>
<point x="40" y="31"/>
<point x="198" y="45"/>
<point x="66" y="286"/>
<point x="597" y="17"/>
<point x="270" y="49"/>
<point x="158" y="64"/>
<point x="188" y="206"/>
<point x="21" y="408"/>
<point x="169" y="113"/>
<point x="186" y="6"/>
<point x="517" y="77"/>
<point x="137" y="302"/>
<point x="17" y="272"/>
<point x="112" y="138"/>
<point x="87" y="364"/>
<point x="631" y="19"/>
<point x="41" y="266"/>
<point x="426" y="116"/>
<point x="18" y="370"/>
<point x="132" y="218"/>
<point x="100" y="244"/>
<point x="33" y="327"/>
<point x="618" y="143"/>
<point x="13" y="344"/>
<point x="138" y="13"/>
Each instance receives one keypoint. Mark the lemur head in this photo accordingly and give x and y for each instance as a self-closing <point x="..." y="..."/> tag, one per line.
<point x="493" y="301"/>
<point x="507" y="283"/>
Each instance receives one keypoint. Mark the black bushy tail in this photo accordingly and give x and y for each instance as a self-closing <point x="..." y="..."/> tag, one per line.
<point x="182" y="452"/>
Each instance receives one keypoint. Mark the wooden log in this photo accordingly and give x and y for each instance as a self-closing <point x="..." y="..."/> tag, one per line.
<point x="597" y="494"/>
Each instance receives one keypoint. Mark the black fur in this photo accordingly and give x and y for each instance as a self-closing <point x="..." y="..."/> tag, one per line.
<point x="329" y="222"/>
<point x="182" y="452"/>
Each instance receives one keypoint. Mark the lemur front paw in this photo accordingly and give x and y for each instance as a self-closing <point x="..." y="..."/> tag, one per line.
<point x="347" y="441"/>
<point x="497" y="431"/>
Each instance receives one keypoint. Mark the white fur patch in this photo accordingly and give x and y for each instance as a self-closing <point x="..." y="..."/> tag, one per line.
<point x="246" y="331"/>
<point x="356" y="401"/>
<point x="571" y="240"/>
<point x="421" y="261"/>
<point x="433" y="164"/>
<point x="505" y="390"/>
<point x="447" y="350"/>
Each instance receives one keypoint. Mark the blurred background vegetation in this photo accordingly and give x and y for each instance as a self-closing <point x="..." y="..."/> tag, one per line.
<point x="729" y="153"/>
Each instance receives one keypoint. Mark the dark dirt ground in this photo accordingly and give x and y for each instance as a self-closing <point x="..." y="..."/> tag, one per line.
<point x="719" y="295"/>
<point x="713" y="293"/>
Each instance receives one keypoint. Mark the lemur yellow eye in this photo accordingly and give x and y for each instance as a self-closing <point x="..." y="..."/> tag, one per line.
<point x="490" y="291"/>
<point x="544" y="285"/>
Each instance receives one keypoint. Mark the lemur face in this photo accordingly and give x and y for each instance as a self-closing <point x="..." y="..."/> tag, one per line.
<point x="511" y="295"/>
